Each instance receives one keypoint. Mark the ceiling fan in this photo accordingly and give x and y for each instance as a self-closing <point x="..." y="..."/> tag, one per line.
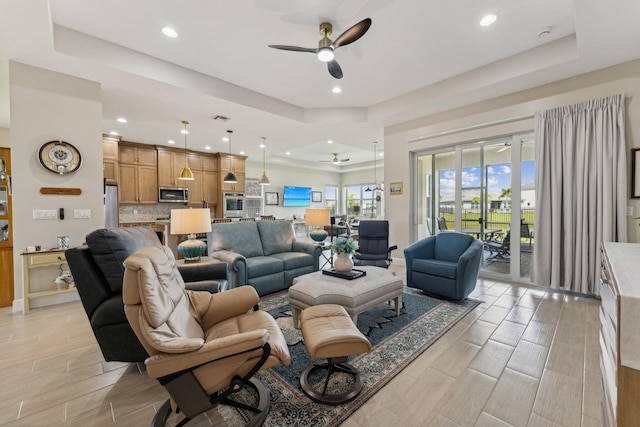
<point x="507" y="144"/>
<point x="335" y="160"/>
<point x="326" y="47"/>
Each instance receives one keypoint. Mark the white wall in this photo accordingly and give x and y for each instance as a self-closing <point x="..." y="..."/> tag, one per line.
<point x="48" y="106"/>
<point x="496" y="117"/>
<point x="4" y="138"/>
<point x="280" y="175"/>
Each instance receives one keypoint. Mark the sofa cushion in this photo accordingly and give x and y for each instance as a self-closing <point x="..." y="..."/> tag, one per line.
<point x="293" y="260"/>
<point x="277" y="236"/>
<point x="240" y="237"/>
<point x="110" y="247"/>
<point x="262" y="266"/>
<point x="435" y="267"/>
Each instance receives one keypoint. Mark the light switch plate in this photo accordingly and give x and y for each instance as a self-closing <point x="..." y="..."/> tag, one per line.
<point x="82" y="213"/>
<point x="45" y="214"/>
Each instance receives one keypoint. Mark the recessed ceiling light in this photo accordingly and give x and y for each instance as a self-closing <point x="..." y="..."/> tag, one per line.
<point x="184" y="131"/>
<point x="171" y="141"/>
<point x="262" y="145"/>
<point x="121" y="120"/>
<point x="170" y="32"/>
<point x="329" y="142"/>
<point x="242" y="152"/>
<point x="488" y="20"/>
<point x="288" y="153"/>
<point x="207" y="147"/>
<point x="225" y="139"/>
<point x="114" y="133"/>
<point x="336" y="89"/>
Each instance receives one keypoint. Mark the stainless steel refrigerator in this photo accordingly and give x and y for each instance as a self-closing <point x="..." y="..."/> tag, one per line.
<point x="111" y="206"/>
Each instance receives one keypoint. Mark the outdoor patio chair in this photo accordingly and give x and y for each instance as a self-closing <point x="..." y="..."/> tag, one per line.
<point x="499" y="251"/>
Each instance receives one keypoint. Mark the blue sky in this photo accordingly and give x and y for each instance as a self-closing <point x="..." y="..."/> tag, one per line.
<point x="498" y="177"/>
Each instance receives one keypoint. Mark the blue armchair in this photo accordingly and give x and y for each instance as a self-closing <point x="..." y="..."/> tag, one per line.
<point x="445" y="265"/>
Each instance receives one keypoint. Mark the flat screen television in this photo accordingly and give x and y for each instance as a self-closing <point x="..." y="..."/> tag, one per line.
<point x="296" y="196"/>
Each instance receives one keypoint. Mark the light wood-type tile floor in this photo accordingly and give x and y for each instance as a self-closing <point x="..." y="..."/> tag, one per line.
<point x="524" y="357"/>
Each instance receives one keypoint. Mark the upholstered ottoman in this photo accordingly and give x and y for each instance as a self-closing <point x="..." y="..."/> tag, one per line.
<point x="356" y="296"/>
<point x="329" y="333"/>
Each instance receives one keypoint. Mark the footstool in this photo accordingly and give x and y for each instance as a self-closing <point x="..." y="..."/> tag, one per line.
<point x="356" y="296"/>
<point x="329" y="333"/>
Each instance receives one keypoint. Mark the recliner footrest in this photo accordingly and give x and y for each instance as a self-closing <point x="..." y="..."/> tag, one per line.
<point x="328" y="332"/>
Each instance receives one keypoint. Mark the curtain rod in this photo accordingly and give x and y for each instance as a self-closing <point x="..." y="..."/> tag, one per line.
<point x="472" y="127"/>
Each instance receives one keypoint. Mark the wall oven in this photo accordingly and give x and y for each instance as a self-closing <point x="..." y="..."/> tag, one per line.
<point x="233" y="205"/>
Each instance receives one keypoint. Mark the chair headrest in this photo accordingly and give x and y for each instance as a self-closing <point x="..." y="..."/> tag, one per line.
<point x="158" y="285"/>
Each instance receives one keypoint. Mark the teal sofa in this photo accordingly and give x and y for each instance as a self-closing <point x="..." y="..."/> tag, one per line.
<point x="445" y="265"/>
<point x="263" y="254"/>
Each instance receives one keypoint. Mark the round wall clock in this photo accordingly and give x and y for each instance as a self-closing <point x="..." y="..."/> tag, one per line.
<point x="60" y="157"/>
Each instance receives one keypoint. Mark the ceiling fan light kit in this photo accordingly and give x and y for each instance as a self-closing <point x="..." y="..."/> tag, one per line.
<point x="326" y="47"/>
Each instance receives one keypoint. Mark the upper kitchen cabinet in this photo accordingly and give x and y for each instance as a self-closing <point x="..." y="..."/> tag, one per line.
<point x="170" y="164"/>
<point x="110" y="158"/>
<point x="138" y="174"/>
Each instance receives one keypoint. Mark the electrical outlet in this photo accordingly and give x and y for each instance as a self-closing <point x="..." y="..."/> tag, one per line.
<point x="629" y="210"/>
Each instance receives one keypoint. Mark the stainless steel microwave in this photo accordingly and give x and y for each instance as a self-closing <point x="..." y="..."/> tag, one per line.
<point x="173" y="195"/>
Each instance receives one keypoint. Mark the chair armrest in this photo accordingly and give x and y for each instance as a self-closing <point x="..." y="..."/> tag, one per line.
<point x="393" y="248"/>
<point x="213" y="308"/>
<point x="196" y="272"/>
<point x="237" y="266"/>
<point x="310" y="248"/>
<point x="164" y="364"/>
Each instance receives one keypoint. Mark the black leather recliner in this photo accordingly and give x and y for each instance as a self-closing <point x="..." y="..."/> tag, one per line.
<point x="98" y="270"/>
<point x="373" y="240"/>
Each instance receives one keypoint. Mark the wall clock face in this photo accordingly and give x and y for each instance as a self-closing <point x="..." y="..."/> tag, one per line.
<point x="60" y="157"/>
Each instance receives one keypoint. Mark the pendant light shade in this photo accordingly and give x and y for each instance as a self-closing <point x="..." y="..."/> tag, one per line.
<point x="376" y="187"/>
<point x="265" y="179"/>
<point x="186" y="173"/>
<point x="230" y="177"/>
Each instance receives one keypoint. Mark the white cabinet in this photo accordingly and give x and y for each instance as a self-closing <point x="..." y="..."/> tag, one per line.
<point x="620" y="333"/>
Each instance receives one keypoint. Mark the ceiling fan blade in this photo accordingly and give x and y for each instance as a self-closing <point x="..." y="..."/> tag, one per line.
<point x="353" y="33"/>
<point x="334" y="69"/>
<point x="506" y="147"/>
<point x="294" y="48"/>
<point x="343" y="160"/>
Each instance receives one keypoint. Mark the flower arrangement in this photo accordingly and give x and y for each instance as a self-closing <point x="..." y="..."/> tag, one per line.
<point x="344" y="245"/>
<point x="64" y="280"/>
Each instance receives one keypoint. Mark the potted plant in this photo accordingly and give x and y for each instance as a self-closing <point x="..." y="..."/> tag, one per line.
<point x="344" y="247"/>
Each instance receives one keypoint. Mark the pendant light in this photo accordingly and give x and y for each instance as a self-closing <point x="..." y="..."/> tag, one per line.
<point x="186" y="173"/>
<point x="376" y="187"/>
<point x="265" y="179"/>
<point x="230" y="177"/>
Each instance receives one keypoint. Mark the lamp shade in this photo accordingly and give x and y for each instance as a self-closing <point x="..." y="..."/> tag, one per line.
<point x="191" y="221"/>
<point x="318" y="218"/>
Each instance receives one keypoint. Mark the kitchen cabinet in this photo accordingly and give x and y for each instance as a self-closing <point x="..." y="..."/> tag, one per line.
<point x="138" y="175"/>
<point x="170" y="164"/>
<point x="110" y="158"/>
<point x="620" y="333"/>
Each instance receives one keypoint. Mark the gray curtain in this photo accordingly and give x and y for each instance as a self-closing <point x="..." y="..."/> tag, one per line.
<point x="581" y="191"/>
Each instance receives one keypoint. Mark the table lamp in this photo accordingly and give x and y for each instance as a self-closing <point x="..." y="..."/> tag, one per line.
<point x="317" y="218"/>
<point x="191" y="221"/>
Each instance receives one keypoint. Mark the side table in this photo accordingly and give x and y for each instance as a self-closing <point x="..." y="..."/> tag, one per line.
<point x="40" y="259"/>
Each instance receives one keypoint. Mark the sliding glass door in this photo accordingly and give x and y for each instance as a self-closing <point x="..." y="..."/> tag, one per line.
<point x="484" y="189"/>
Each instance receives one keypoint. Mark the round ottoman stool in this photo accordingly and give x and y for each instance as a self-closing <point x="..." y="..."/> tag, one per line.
<point x="329" y="333"/>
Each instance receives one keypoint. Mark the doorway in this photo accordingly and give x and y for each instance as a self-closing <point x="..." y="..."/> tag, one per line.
<point x="484" y="189"/>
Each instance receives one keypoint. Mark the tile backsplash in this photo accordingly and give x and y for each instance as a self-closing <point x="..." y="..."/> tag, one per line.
<point x="143" y="213"/>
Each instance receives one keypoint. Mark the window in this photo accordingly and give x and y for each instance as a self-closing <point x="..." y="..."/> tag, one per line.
<point x="331" y="198"/>
<point x="362" y="203"/>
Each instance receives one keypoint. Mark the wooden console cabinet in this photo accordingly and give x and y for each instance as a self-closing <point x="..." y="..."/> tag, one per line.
<point x="620" y="333"/>
<point x="40" y="259"/>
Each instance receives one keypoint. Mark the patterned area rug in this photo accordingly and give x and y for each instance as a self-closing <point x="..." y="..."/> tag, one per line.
<point x="397" y="341"/>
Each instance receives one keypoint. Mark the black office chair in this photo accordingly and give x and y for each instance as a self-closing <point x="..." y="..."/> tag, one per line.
<point x="374" y="244"/>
